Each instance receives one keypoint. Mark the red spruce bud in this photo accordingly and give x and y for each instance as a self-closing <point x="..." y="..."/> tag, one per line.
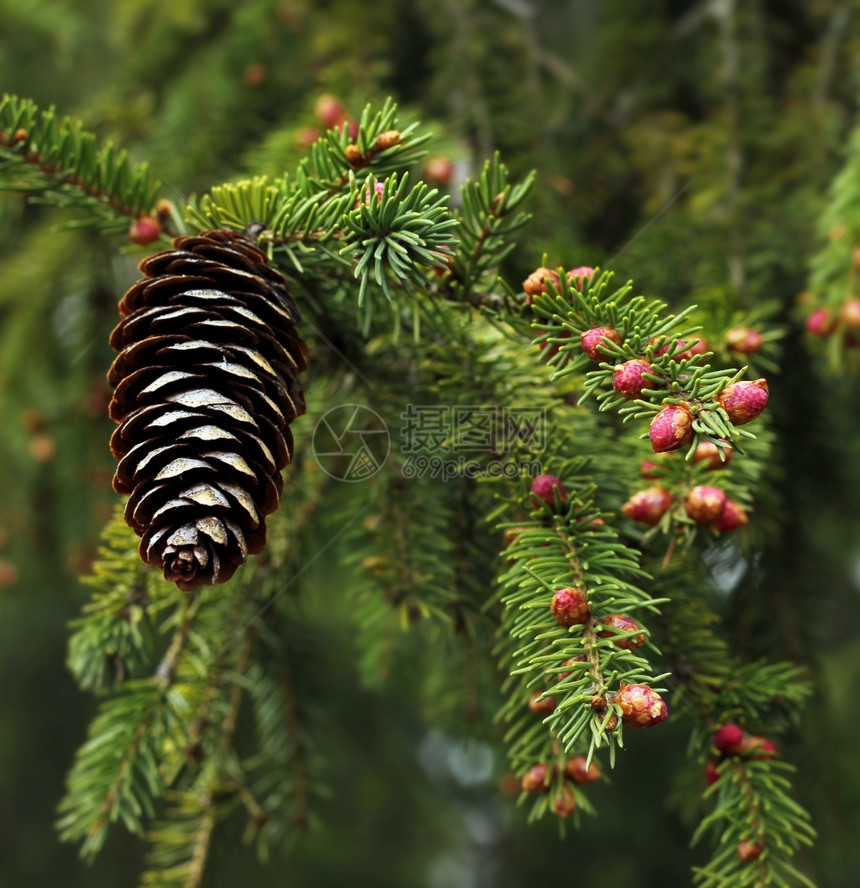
<point x="576" y="771"/>
<point x="731" y="518"/>
<point x="749" y="851"/>
<point x="388" y="139"/>
<point x="329" y="111"/>
<point x="744" y="341"/>
<point x="438" y="170"/>
<point x="569" y="606"/>
<point x="671" y="428"/>
<point x="699" y="347"/>
<point x="649" y="469"/>
<point x="569" y="662"/>
<point x="537" y="282"/>
<point x="364" y="197"/>
<point x="744" y="401"/>
<point x="541" y="705"/>
<point x="593" y="344"/>
<point x="850" y="314"/>
<point x="648" y="506"/>
<point x="543" y="490"/>
<point x="707" y="452"/>
<point x="729" y="739"/>
<point x="681" y="354"/>
<point x="705" y="504"/>
<point x="616" y="623"/>
<point x="553" y="347"/>
<point x="144" y="230"/>
<point x="576" y="276"/>
<point x="353" y="155"/>
<point x="628" y="379"/>
<point x="821" y="323"/>
<point x="641" y="707"/>
<point x="565" y="804"/>
<point x="760" y="748"/>
<point x="535" y="779"/>
<point x="712" y="775"/>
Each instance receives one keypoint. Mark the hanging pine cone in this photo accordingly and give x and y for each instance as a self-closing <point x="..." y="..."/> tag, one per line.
<point x="206" y="387"/>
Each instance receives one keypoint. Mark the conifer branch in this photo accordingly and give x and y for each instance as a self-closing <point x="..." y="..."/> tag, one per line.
<point x="114" y="639"/>
<point x="117" y="773"/>
<point x="756" y="825"/>
<point x="760" y="827"/>
<point x="571" y="305"/>
<point x="575" y="657"/>
<point x="181" y="841"/>
<point x="345" y="218"/>
<point x="402" y="580"/>
<point x="62" y="164"/>
<point x="488" y="221"/>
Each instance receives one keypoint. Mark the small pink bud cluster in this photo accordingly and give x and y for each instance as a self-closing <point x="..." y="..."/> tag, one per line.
<point x="438" y="170"/>
<point x="731" y="740"/>
<point x="649" y="469"/>
<point x="712" y="775"/>
<point x="849" y="314"/>
<point x="536" y="779"/>
<point x="569" y="664"/>
<point x="682" y="351"/>
<point x="329" y="111"/>
<point x="677" y="351"/>
<point x="551" y="349"/>
<point x="710" y="507"/>
<point x="705" y="504"/>
<point x="541" y="280"/>
<point x="559" y="781"/>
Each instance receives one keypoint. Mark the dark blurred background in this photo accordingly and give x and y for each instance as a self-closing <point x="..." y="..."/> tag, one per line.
<point x="690" y="144"/>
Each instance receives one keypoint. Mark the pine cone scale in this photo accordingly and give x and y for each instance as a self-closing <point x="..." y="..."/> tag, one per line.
<point x="205" y="388"/>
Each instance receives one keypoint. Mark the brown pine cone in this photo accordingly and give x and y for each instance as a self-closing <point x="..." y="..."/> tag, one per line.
<point x="206" y="387"/>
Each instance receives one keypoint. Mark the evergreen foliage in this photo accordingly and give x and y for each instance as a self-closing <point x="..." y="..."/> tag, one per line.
<point x="440" y="567"/>
<point x="175" y="732"/>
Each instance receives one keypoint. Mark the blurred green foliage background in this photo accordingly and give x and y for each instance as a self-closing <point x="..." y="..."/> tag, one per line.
<point x="689" y="144"/>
